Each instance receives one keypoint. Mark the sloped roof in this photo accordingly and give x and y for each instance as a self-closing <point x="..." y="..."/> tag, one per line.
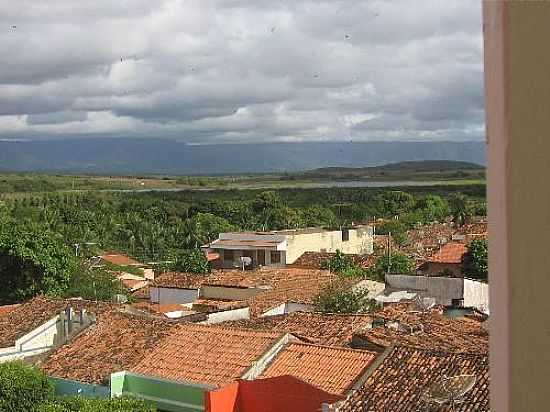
<point x="431" y="330"/>
<point x="450" y="253"/>
<point x="120" y="259"/>
<point x="401" y="383"/>
<point x="318" y="328"/>
<point x="180" y="280"/>
<point x="206" y="354"/>
<point x="5" y="309"/>
<point x="37" y="311"/>
<point x="118" y="341"/>
<point x="334" y="370"/>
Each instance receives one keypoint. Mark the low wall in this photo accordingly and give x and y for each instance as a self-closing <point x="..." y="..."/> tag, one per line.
<point x="65" y="387"/>
<point x="443" y="289"/>
<point x="288" y="307"/>
<point x="165" y="296"/>
<point x="225" y="315"/>
<point x="476" y="295"/>
<point x="228" y="293"/>
<point x="169" y="396"/>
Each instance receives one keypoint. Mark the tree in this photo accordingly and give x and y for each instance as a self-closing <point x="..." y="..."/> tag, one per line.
<point x="475" y="261"/>
<point x="343" y="265"/>
<point x="23" y="388"/>
<point x="397" y="228"/>
<point x="81" y="404"/>
<point x="192" y="261"/>
<point x="458" y="204"/>
<point x="396" y="263"/>
<point x="94" y="284"/>
<point x="33" y="260"/>
<point x="433" y="208"/>
<point x="340" y="298"/>
<point x="209" y="226"/>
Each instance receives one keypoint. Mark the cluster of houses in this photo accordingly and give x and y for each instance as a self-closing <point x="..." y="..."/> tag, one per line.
<point x="248" y="338"/>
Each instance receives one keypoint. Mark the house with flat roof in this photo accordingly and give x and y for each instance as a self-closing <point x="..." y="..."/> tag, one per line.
<point x="284" y="247"/>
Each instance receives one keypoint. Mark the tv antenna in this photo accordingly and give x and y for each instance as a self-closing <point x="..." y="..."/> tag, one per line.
<point x="245" y="261"/>
<point x="451" y="390"/>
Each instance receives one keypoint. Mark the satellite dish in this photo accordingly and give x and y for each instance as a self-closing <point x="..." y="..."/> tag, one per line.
<point x="451" y="390"/>
<point x="246" y="261"/>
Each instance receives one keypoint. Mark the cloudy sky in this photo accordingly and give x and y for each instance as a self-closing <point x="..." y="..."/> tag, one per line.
<point x="209" y="71"/>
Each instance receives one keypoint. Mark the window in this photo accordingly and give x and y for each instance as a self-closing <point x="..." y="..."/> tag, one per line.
<point x="228" y="255"/>
<point x="345" y="235"/>
<point x="275" y="257"/>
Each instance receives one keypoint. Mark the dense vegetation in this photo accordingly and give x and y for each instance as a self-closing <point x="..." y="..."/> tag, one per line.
<point x="475" y="261"/>
<point x="38" y="233"/>
<point x="27" y="389"/>
<point x="338" y="297"/>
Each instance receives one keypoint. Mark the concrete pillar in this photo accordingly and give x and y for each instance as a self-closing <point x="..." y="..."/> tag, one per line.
<point x="517" y="81"/>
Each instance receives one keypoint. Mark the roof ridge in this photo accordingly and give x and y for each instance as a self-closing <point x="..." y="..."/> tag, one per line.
<point x="229" y="329"/>
<point x="338" y="348"/>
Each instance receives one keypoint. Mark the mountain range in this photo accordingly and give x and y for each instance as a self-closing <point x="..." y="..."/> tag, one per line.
<point x="161" y="156"/>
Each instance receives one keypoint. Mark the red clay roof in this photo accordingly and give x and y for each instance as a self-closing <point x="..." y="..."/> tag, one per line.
<point x="180" y="280"/>
<point x="206" y="354"/>
<point x="450" y="253"/>
<point x="431" y="330"/>
<point x="318" y="328"/>
<point x="120" y="259"/>
<point x="334" y="370"/>
<point x="5" y="309"/>
<point x="35" y="312"/>
<point x="403" y="381"/>
<point x="118" y="341"/>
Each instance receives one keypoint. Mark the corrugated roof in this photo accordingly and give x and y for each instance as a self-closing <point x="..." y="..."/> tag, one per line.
<point x="118" y="341"/>
<point x="334" y="370"/>
<point x="206" y="354"/>
<point x="403" y="380"/>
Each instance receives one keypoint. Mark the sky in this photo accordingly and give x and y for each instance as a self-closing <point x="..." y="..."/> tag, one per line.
<point x="221" y="71"/>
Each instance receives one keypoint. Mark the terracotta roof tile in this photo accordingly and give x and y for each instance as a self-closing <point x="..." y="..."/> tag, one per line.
<point x="401" y="383"/>
<point x="334" y="370"/>
<point x="431" y="330"/>
<point x="118" y="341"/>
<point x="318" y="328"/>
<point x="31" y="314"/>
<point x="317" y="259"/>
<point x="120" y="259"/>
<point x="5" y="309"/>
<point x="180" y="280"/>
<point x="451" y="253"/>
<point x="206" y="354"/>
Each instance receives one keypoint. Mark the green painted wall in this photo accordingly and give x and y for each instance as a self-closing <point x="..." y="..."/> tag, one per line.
<point x="168" y="395"/>
<point x="66" y="387"/>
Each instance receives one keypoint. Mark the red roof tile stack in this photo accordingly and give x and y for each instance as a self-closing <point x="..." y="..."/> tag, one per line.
<point x="118" y="341"/>
<point x="206" y="354"/>
<point x="403" y="380"/>
<point x="334" y="370"/>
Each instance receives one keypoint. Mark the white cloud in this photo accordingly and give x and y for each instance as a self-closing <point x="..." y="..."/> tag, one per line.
<point x="236" y="70"/>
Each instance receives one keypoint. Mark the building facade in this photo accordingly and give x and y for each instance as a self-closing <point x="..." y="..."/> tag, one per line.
<point x="280" y="248"/>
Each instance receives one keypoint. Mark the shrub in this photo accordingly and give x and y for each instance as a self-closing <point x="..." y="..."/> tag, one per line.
<point x="340" y="298"/>
<point x="343" y="265"/>
<point x="23" y="388"/>
<point x="474" y="262"/>
<point x="398" y="263"/>
<point x="80" y="404"/>
<point x="193" y="261"/>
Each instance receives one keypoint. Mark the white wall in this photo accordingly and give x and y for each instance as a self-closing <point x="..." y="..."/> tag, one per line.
<point x="165" y="296"/>
<point x="225" y="315"/>
<point x="288" y="307"/>
<point x="443" y="289"/>
<point x="476" y="294"/>
<point x="360" y="242"/>
<point x="42" y="339"/>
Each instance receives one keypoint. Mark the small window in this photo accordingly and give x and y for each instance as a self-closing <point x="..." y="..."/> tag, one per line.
<point x="228" y="255"/>
<point x="275" y="257"/>
<point x="345" y="235"/>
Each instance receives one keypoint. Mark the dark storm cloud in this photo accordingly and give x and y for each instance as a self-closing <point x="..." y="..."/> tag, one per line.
<point x="236" y="70"/>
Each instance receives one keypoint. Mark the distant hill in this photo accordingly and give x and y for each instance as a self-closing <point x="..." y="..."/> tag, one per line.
<point x="410" y="166"/>
<point x="161" y="156"/>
